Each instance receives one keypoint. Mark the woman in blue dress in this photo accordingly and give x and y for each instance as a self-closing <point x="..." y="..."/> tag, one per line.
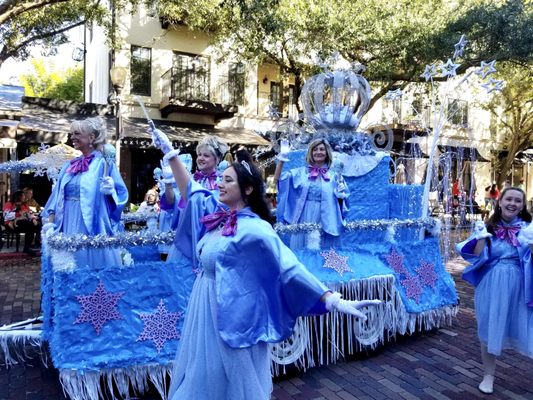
<point x="313" y="193"/>
<point x="501" y="271"/>
<point x="249" y="293"/>
<point x="89" y="195"/>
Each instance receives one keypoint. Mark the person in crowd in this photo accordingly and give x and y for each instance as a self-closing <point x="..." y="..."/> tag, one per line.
<point x="19" y="218"/>
<point x="30" y="201"/>
<point x="501" y="271"/>
<point x="249" y="292"/>
<point x="494" y="194"/>
<point x="89" y="195"/>
<point x="150" y="203"/>
<point x="521" y="185"/>
<point x="311" y="193"/>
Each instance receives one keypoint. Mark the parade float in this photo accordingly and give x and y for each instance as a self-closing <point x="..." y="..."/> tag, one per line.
<point x="114" y="329"/>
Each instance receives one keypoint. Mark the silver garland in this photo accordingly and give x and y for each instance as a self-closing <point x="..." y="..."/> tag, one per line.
<point x="359" y="225"/>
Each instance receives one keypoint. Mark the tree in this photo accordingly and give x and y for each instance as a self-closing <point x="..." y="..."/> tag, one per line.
<point x="393" y="39"/>
<point x="512" y="109"/>
<point x="64" y="85"/>
<point x="24" y="24"/>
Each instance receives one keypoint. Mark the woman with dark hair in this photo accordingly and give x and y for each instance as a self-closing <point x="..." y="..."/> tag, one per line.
<point x="249" y="293"/>
<point x="502" y="272"/>
<point x="314" y="193"/>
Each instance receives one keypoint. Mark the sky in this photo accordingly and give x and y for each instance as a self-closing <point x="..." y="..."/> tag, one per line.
<point x="11" y="70"/>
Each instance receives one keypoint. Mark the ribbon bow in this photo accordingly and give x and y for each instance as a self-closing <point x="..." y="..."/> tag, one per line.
<point x="315" y="172"/>
<point x="79" y="164"/>
<point x="210" y="178"/>
<point x="508" y="233"/>
<point x="221" y="216"/>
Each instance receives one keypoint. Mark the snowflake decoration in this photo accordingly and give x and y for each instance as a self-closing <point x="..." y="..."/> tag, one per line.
<point x="160" y="326"/>
<point x="460" y="47"/>
<point x="429" y="72"/>
<point x="492" y="85"/>
<point x="413" y="288"/>
<point x="427" y="274"/>
<point x="485" y="69"/>
<point x="335" y="261"/>
<point x="450" y="68"/>
<point x="99" y="307"/>
<point x="394" y="94"/>
<point x="43" y="147"/>
<point x="395" y="261"/>
<point x="39" y="171"/>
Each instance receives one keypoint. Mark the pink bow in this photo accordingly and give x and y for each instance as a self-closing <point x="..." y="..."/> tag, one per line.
<point x="79" y="164"/>
<point x="221" y="216"/>
<point x="508" y="233"/>
<point x="211" y="179"/>
<point x="315" y="172"/>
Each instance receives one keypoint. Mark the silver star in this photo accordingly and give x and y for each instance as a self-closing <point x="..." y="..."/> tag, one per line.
<point x="493" y="84"/>
<point x="394" y="94"/>
<point x="429" y="72"/>
<point x="486" y="69"/>
<point x="460" y="47"/>
<point x="449" y="69"/>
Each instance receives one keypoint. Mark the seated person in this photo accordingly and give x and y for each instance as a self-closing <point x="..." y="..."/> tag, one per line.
<point x="30" y="201"/>
<point x="20" y="219"/>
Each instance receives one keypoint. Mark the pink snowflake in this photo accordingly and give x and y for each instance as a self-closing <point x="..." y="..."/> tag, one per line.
<point x="99" y="307"/>
<point x="395" y="261"/>
<point x="427" y="274"/>
<point x="335" y="261"/>
<point x="412" y="286"/>
<point x="160" y="326"/>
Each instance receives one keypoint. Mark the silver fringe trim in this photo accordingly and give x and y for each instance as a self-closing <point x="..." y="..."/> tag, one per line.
<point x="331" y="336"/>
<point x="86" y="385"/>
<point x="15" y="339"/>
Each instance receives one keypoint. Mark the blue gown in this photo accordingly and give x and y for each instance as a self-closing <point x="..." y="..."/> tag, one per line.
<point x="501" y="274"/>
<point x="80" y="208"/>
<point x="249" y="293"/>
<point x="304" y="200"/>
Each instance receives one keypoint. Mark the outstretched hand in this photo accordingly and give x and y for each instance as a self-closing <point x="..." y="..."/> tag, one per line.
<point x="480" y="231"/>
<point x="284" y="151"/>
<point x="160" y="140"/>
<point x="351" y="307"/>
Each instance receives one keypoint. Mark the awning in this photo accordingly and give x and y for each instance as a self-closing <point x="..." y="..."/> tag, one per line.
<point x="136" y="129"/>
<point x="408" y="150"/>
<point x="466" y="153"/>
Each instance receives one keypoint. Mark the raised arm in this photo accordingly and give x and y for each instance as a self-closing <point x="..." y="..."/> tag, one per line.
<point x="282" y="157"/>
<point x="181" y="175"/>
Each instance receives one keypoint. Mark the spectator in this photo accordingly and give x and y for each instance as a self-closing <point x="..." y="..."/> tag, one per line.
<point x="30" y="201"/>
<point x="20" y="219"/>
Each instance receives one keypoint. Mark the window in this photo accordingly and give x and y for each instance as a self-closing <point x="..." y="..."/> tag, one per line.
<point x="275" y="95"/>
<point x="236" y="83"/>
<point x="141" y="70"/>
<point x="191" y="77"/>
<point x="458" y="112"/>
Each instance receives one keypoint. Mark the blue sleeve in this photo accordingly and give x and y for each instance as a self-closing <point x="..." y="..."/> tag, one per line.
<point x="475" y="271"/>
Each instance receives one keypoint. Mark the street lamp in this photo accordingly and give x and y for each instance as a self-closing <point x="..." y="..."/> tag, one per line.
<point x="118" y="78"/>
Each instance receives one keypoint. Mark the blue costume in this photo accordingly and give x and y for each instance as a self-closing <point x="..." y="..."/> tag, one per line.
<point x="303" y="199"/>
<point x="249" y="293"/>
<point x="503" y="277"/>
<point x="80" y="208"/>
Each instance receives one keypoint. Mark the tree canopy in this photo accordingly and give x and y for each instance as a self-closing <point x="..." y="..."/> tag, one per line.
<point x="24" y="24"/>
<point x="393" y="39"/>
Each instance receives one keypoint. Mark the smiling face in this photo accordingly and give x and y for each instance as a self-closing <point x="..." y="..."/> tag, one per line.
<point x="511" y="203"/>
<point x="206" y="161"/>
<point x="319" y="154"/>
<point x="82" y="141"/>
<point x="230" y="192"/>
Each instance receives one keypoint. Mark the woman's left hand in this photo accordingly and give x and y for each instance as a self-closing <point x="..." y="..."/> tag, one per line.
<point x="335" y="302"/>
<point x="107" y="185"/>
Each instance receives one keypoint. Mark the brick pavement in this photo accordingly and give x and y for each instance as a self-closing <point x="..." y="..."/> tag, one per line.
<point x="441" y="364"/>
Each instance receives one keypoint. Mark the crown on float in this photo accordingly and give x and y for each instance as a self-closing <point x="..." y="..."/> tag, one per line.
<point x="338" y="97"/>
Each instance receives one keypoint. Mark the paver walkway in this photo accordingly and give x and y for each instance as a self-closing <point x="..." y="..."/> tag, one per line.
<point x="441" y="364"/>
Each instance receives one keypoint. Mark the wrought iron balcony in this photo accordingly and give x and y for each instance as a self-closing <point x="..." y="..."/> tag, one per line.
<point x="189" y="91"/>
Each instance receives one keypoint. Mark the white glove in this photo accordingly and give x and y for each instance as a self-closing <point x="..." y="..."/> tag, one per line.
<point x="480" y="231"/>
<point x="161" y="141"/>
<point x="48" y="229"/>
<point x="284" y="150"/>
<point x="335" y="302"/>
<point x="168" y="176"/>
<point x="526" y="235"/>
<point x="107" y="185"/>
